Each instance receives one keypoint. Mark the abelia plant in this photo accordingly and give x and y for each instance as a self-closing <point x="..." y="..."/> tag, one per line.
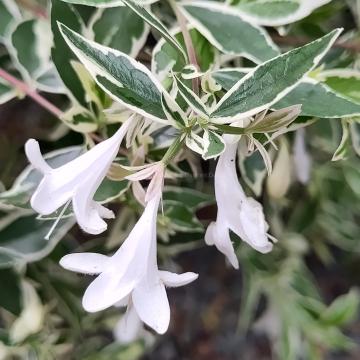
<point x="156" y="88"/>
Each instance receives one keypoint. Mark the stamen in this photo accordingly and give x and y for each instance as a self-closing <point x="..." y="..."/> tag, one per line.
<point x="271" y="141"/>
<point x="272" y="238"/>
<point x="47" y="236"/>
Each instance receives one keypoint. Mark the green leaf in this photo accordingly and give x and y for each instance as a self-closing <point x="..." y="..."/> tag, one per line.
<point x="24" y="241"/>
<point x="270" y="9"/>
<point x="7" y="92"/>
<point x="31" y="48"/>
<point x="344" y="82"/>
<point x="79" y="119"/>
<point x="193" y="199"/>
<point x="10" y="289"/>
<point x="154" y="22"/>
<point x="355" y="135"/>
<point x="60" y="53"/>
<point x="173" y="112"/>
<point x="191" y="98"/>
<point x="319" y="100"/>
<point x="166" y="59"/>
<point x="124" y="79"/>
<point x="271" y="81"/>
<point x="181" y="217"/>
<point x="277" y="120"/>
<point x="214" y="145"/>
<point x="110" y="190"/>
<point x="9" y="16"/>
<point x="253" y="171"/>
<point x="225" y="28"/>
<point x="120" y="28"/>
<point x="352" y="176"/>
<point x="278" y="12"/>
<point x="106" y="3"/>
<point x="341" y="152"/>
<point x="342" y="310"/>
<point x="228" y="77"/>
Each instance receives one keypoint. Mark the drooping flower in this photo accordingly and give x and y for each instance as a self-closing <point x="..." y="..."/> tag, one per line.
<point x="131" y="276"/>
<point x="236" y="212"/>
<point x="77" y="180"/>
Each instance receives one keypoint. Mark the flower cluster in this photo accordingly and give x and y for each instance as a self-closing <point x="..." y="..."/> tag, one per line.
<point x="131" y="277"/>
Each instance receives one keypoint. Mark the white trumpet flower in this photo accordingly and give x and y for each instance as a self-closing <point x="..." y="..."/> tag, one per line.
<point x="77" y="180"/>
<point x="236" y="212"/>
<point x="131" y="276"/>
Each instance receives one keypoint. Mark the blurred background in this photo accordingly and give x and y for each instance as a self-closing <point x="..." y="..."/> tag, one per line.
<point x="298" y="302"/>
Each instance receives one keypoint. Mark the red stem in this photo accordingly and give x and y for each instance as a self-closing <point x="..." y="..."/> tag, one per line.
<point x="31" y="93"/>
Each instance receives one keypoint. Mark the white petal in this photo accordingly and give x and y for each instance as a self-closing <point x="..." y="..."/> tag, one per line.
<point x="104" y="212"/>
<point x="129" y="327"/>
<point x="175" y="280"/>
<point x="156" y="183"/>
<point x="86" y="210"/>
<point x="60" y="184"/>
<point x="227" y="187"/>
<point x="107" y="290"/>
<point x="49" y="197"/>
<point x="243" y="215"/>
<point x="123" y="302"/>
<point x="254" y="226"/>
<point x="218" y="234"/>
<point x="139" y="192"/>
<point x="152" y="305"/>
<point x="142" y="174"/>
<point x="86" y="263"/>
<point x="127" y="267"/>
<point x="33" y="153"/>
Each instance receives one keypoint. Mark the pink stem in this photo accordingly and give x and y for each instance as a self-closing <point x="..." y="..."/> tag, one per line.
<point x="31" y="93"/>
<point x="188" y="43"/>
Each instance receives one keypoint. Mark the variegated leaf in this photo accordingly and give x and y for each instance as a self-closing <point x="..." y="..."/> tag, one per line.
<point x="124" y="79"/>
<point x="271" y="81"/>
<point x="228" y="31"/>
<point x="119" y="28"/>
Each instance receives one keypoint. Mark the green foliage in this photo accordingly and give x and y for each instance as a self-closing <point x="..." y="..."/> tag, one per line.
<point x="254" y="63"/>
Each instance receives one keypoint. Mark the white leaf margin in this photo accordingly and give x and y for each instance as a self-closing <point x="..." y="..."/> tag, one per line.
<point x="305" y="9"/>
<point x="107" y="4"/>
<point x="137" y="43"/>
<point x="279" y="96"/>
<point x="309" y="80"/>
<point x="95" y="70"/>
<point x="227" y="10"/>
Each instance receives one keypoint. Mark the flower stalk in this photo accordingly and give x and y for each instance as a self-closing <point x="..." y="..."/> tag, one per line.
<point x="173" y="150"/>
<point x="188" y="43"/>
<point x="31" y="93"/>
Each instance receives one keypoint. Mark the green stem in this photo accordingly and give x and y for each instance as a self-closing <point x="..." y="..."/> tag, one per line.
<point x="173" y="150"/>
